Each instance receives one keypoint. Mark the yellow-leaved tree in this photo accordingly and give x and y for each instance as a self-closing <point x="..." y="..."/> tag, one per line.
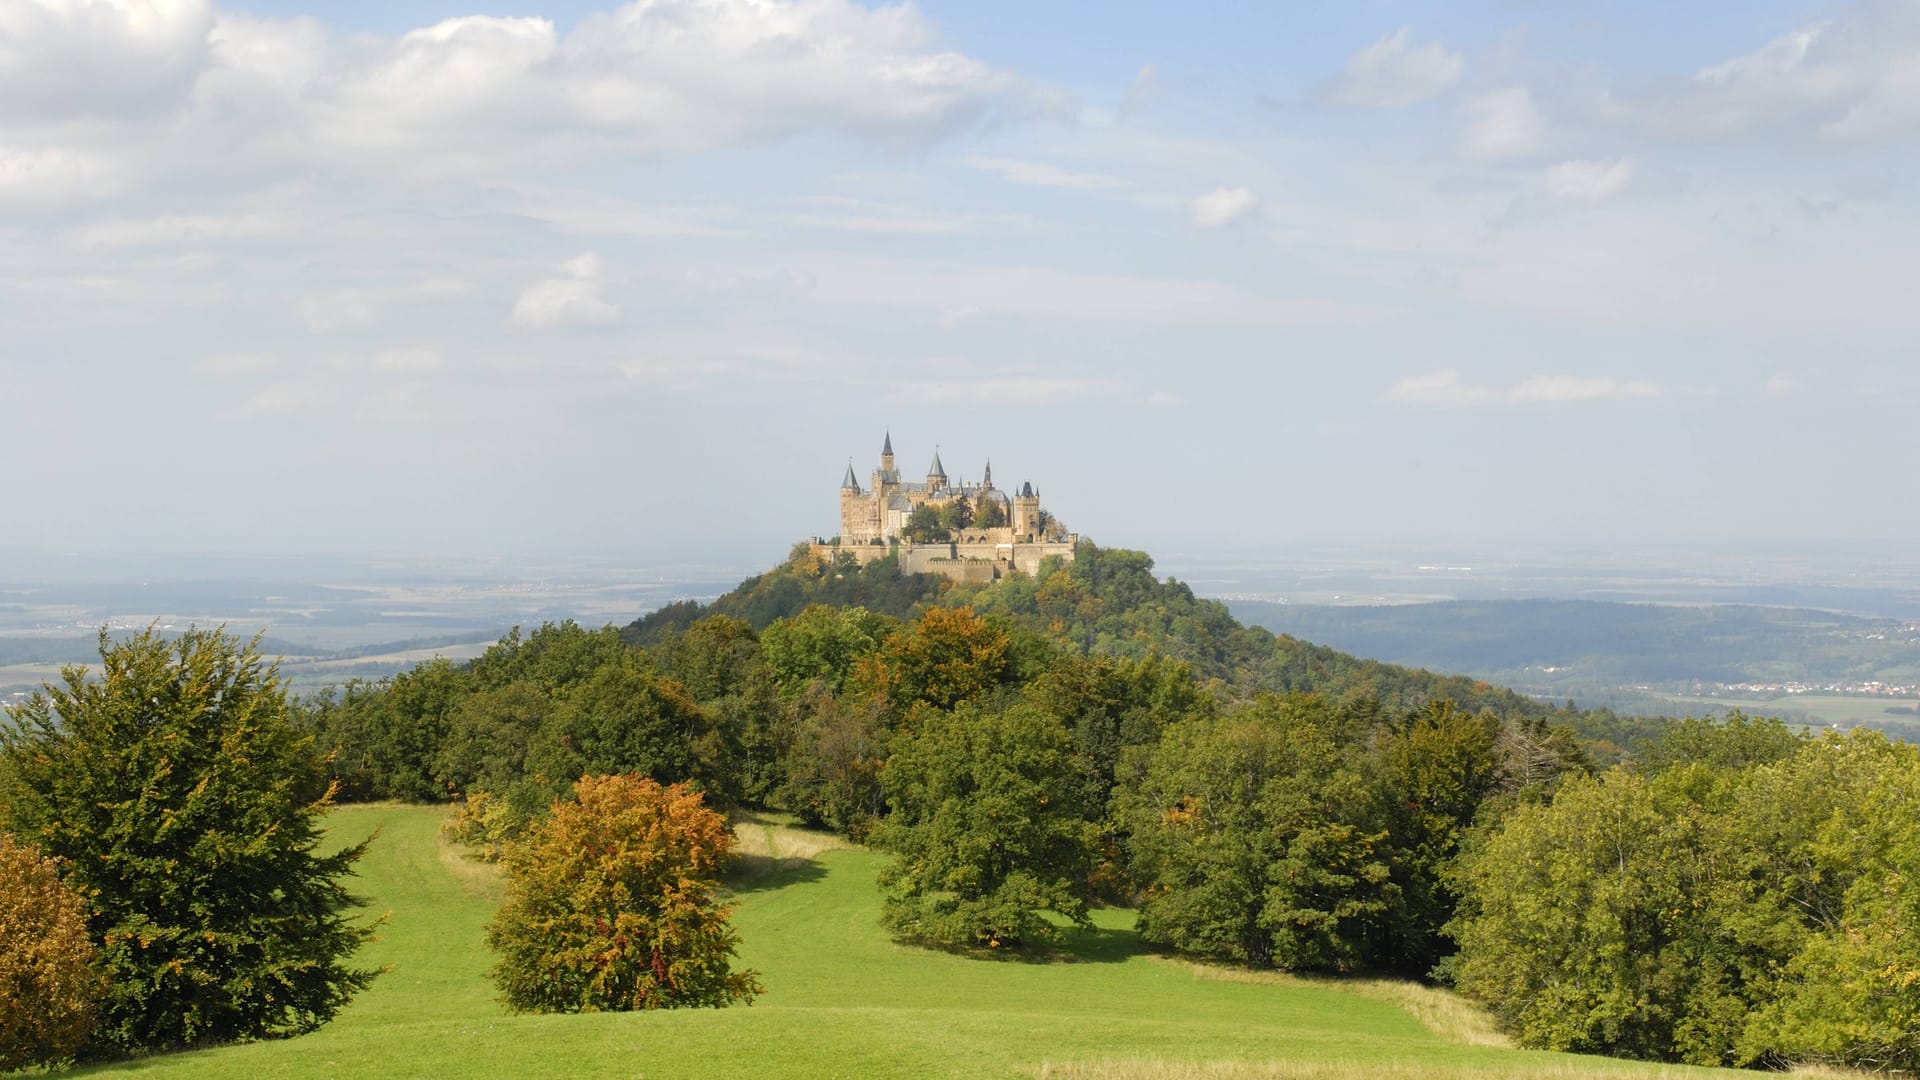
<point x="610" y="905"/>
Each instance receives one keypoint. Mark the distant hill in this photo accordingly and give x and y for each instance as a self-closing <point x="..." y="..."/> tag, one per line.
<point x="1109" y="601"/>
<point x="1610" y="643"/>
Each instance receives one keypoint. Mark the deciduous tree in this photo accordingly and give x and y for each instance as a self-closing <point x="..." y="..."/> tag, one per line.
<point x="985" y="831"/>
<point x="49" y="988"/>
<point x="610" y="905"/>
<point x="188" y="807"/>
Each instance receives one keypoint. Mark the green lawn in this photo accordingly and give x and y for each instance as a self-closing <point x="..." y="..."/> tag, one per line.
<point x="844" y="1001"/>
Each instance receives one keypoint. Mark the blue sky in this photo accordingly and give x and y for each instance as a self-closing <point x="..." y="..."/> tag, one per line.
<point x="430" y="277"/>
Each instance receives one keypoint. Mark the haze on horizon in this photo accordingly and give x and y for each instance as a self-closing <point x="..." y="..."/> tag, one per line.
<point x="404" y="277"/>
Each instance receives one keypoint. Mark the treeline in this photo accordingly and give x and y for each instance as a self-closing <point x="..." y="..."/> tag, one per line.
<point x="1040" y="744"/>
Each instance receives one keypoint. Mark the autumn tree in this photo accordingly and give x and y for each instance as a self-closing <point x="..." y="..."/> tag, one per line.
<point x="610" y="905"/>
<point x="49" y="988"/>
<point x="188" y="807"/>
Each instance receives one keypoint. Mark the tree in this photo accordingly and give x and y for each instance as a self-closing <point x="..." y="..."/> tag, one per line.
<point x="188" y="806"/>
<point x="985" y="830"/>
<point x="991" y="515"/>
<point x="832" y="769"/>
<point x="1254" y="841"/>
<point x="925" y="525"/>
<point x="610" y="905"/>
<point x="957" y="514"/>
<point x="49" y="988"/>
<point x="946" y="656"/>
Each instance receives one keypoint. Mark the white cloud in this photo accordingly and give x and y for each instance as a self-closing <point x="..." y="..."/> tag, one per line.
<point x="1142" y="90"/>
<point x="1222" y="206"/>
<point x="1448" y="390"/>
<point x="83" y="81"/>
<point x="233" y="365"/>
<point x="1852" y="78"/>
<point x="1588" y="181"/>
<point x="573" y="299"/>
<point x="1007" y="390"/>
<point x="1393" y="72"/>
<point x="1506" y="124"/>
<point x="1041" y="174"/>
<point x="329" y="312"/>
<point x="284" y="399"/>
<point x="410" y="360"/>
<point x="65" y="59"/>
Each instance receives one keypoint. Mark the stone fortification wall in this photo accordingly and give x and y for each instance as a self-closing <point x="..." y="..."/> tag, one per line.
<point x="976" y="557"/>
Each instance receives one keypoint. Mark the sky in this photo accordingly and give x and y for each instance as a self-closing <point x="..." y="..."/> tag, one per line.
<point x="433" y="278"/>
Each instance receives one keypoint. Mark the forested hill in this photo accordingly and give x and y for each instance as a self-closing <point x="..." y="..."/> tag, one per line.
<point x="1108" y="602"/>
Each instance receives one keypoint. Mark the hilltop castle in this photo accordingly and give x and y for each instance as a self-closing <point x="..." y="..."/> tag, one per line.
<point x="966" y="531"/>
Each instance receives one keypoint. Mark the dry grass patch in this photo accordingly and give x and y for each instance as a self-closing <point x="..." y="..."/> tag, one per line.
<point x="771" y="836"/>
<point x="1139" y="1069"/>
<point x="476" y="877"/>
<point x="1442" y="1012"/>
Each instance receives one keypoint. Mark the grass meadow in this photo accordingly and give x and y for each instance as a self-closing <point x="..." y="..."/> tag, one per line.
<point x="844" y="1001"/>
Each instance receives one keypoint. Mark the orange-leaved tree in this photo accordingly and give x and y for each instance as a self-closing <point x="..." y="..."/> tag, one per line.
<point x="610" y="905"/>
<point x="49" y="987"/>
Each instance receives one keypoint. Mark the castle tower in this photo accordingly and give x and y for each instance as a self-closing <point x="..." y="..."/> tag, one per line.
<point x="1026" y="511"/>
<point x="986" y="480"/>
<point x="936" y="473"/>
<point x="886" y="453"/>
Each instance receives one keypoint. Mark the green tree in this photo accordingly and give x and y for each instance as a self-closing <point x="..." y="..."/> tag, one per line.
<point x="49" y="988"/>
<point x="831" y="773"/>
<point x="1436" y="770"/>
<point x="991" y="515"/>
<point x="984" y="831"/>
<point x="822" y="644"/>
<point x="926" y="526"/>
<point x="188" y="806"/>
<point x="1254" y="840"/>
<point x="610" y="905"/>
<point x="956" y="514"/>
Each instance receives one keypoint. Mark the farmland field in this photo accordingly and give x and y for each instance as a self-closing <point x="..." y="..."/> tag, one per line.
<point x="844" y="1001"/>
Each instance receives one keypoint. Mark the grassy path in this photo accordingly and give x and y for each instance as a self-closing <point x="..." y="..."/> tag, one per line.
<point x="842" y="1001"/>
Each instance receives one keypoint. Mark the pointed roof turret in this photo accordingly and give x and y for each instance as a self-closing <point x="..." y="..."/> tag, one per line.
<point x="937" y="469"/>
<point x="987" y="480"/>
<point x="851" y="483"/>
<point x="886" y="448"/>
<point x="1026" y="490"/>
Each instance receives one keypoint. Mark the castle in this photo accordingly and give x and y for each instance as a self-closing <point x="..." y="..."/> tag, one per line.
<point x="966" y="531"/>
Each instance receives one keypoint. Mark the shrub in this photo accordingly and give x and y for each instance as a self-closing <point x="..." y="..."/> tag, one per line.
<point x="610" y="905"/>
<point x="49" y="989"/>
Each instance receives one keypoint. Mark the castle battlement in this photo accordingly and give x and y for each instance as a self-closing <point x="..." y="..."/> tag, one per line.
<point x="970" y="531"/>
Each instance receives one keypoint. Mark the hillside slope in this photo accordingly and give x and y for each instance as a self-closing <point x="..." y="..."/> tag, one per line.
<point x="842" y="1000"/>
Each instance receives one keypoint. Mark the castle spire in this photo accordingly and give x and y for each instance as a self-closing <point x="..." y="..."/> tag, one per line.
<point x="937" y="470"/>
<point x="886" y="448"/>
<point x="987" y="480"/>
<point x="850" y="483"/>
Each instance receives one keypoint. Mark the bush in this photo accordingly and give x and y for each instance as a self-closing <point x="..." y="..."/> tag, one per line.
<point x="49" y="989"/>
<point x="610" y="905"/>
<point x="175" y="786"/>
